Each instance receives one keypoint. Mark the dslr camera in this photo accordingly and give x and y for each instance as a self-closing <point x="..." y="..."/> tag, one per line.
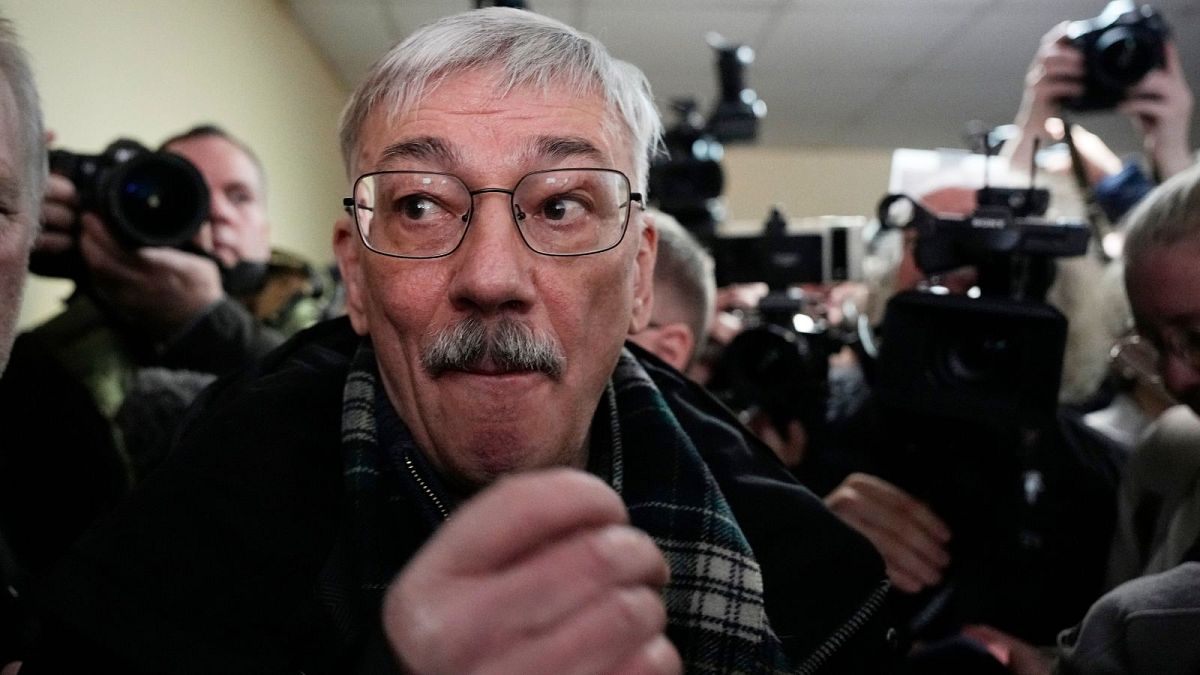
<point x="1119" y="48"/>
<point x="145" y="198"/>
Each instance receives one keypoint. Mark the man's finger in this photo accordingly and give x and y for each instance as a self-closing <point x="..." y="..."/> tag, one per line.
<point x="598" y="639"/>
<point x="518" y="514"/>
<point x="922" y="562"/>
<point x="560" y="579"/>
<point x="900" y="502"/>
<point x="61" y="189"/>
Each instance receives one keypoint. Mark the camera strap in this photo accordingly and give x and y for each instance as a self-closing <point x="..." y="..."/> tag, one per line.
<point x="1095" y="214"/>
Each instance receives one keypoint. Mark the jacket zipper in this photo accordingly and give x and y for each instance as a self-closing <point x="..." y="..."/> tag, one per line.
<point x="425" y="488"/>
<point x="846" y="631"/>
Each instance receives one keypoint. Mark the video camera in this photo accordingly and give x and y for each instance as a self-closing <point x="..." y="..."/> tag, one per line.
<point x="1004" y="232"/>
<point x="967" y="391"/>
<point x="779" y="365"/>
<point x="989" y="359"/>
<point x="823" y="250"/>
<point x="688" y="181"/>
<point x="1120" y="46"/>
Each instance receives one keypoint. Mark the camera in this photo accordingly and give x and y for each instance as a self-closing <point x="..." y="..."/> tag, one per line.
<point x="1119" y="48"/>
<point x="145" y="198"/>
<point x="821" y="250"/>
<point x="688" y="181"/>
<point x="1005" y="238"/>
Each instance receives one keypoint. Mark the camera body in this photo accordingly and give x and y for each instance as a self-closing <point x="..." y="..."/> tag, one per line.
<point x="1120" y="46"/>
<point x="818" y="250"/>
<point x="145" y="198"/>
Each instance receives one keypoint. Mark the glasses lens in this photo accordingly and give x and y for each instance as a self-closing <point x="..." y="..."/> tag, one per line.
<point x="572" y="211"/>
<point x="411" y="214"/>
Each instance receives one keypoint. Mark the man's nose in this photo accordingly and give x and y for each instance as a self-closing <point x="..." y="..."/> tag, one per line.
<point x="1180" y="376"/>
<point x="493" y="266"/>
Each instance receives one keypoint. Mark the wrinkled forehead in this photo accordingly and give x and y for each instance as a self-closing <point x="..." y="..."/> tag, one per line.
<point x="476" y="94"/>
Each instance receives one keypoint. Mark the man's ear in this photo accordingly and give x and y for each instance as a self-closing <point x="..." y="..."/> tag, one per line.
<point x="643" y="275"/>
<point x="672" y="342"/>
<point x="348" y="249"/>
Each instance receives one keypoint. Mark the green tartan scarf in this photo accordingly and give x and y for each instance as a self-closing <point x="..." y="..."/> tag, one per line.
<point x="714" y="600"/>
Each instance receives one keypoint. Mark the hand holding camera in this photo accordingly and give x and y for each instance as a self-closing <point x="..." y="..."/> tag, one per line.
<point x="1160" y="106"/>
<point x="122" y="223"/>
<point x="156" y="289"/>
<point x="1122" y="60"/>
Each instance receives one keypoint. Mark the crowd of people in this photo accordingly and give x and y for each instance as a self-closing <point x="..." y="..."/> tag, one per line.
<point x="489" y="447"/>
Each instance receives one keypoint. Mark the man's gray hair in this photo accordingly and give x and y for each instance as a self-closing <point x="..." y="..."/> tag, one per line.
<point x="530" y="50"/>
<point x="685" y="283"/>
<point x="1168" y="215"/>
<point x="14" y="66"/>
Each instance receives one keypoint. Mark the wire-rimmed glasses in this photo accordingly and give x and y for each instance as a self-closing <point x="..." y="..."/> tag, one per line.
<point x="426" y="214"/>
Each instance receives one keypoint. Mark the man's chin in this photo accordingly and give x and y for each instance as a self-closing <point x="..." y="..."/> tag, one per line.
<point x="494" y="456"/>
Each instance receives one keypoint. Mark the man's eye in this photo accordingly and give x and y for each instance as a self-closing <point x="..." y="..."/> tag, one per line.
<point x="562" y="208"/>
<point x="417" y="207"/>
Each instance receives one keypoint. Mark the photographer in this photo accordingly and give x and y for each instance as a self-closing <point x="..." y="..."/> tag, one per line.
<point x="1159" y="106"/>
<point x="105" y="383"/>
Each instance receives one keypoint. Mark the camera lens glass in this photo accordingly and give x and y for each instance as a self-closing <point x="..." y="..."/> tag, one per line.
<point x="157" y="200"/>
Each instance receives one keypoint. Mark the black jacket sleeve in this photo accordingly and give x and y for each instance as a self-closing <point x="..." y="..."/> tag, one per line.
<point x="225" y="338"/>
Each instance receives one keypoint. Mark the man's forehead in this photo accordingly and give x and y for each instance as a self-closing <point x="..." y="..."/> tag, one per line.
<point x="535" y="125"/>
<point x="13" y="176"/>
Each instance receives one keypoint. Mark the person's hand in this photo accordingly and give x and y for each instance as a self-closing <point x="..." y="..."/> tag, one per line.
<point x="59" y="204"/>
<point x="1161" y="109"/>
<point x="1020" y="657"/>
<point x="1056" y="73"/>
<point x="159" y="290"/>
<point x="11" y="669"/>
<point x="539" y="573"/>
<point x="911" y="539"/>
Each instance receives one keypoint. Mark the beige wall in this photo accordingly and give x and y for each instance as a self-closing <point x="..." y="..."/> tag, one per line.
<point x="150" y="68"/>
<point x="804" y="181"/>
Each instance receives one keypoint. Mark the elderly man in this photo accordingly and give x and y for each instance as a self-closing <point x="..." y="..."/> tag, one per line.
<point x="409" y="490"/>
<point x="22" y="174"/>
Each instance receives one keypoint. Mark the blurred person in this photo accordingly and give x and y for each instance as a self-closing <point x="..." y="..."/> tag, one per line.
<point x="685" y="290"/>
<point x="1148" y="624"/>
<point x="22" y="177"/>
<point x="405" y="490"/>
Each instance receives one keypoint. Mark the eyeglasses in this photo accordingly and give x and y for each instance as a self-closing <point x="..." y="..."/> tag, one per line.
<point x="1178" y="342"/>
<point x="558" y="212"/>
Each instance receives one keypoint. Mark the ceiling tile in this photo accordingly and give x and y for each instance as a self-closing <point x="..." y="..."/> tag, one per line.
<point x="856" y="39"/>
<point x="351" y="35"/>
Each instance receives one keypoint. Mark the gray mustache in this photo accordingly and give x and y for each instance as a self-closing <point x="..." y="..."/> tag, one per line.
<point x="508" y="344"/>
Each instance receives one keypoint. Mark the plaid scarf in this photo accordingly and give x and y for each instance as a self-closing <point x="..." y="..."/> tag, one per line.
<point x="714" y="600"/>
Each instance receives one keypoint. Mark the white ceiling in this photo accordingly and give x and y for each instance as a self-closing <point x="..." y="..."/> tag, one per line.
<point x="876" y="73"/>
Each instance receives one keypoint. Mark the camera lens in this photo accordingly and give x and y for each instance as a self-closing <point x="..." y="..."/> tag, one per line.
<point x="977" y="359"/>
<point x="1124" y="56"/>
<point x="157" y="199"/>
